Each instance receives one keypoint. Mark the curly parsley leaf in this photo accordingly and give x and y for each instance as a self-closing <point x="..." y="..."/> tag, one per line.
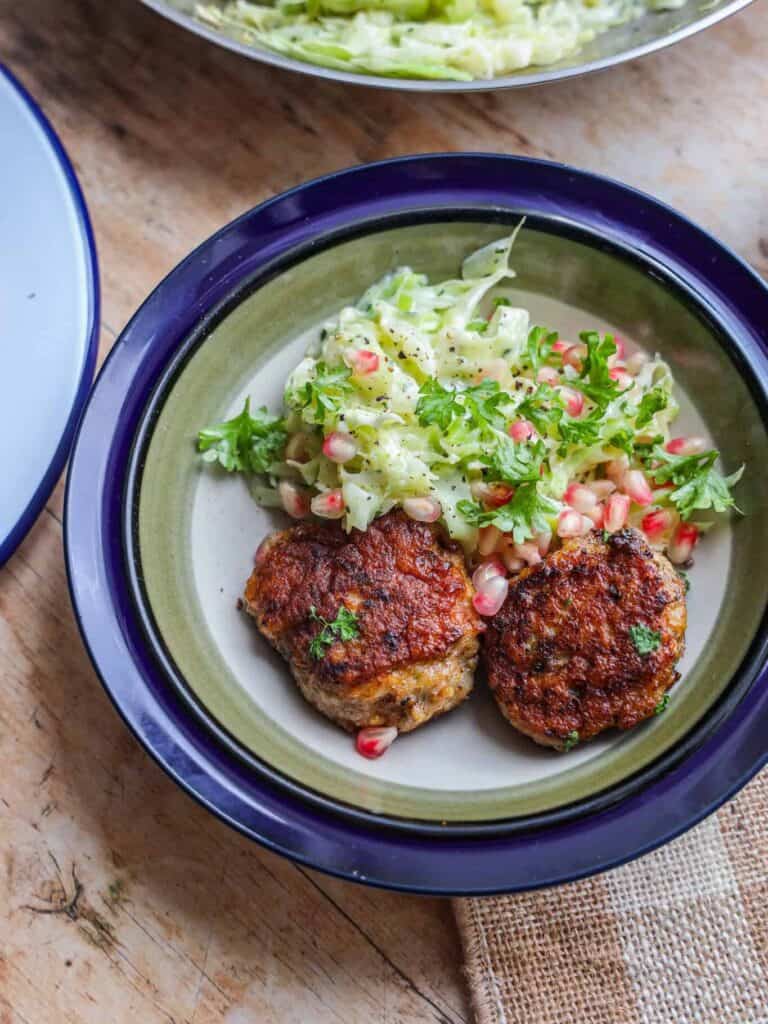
<point x="543" y="409"/>
<point x="653" y="401"/>
<point x="326" y="392"/>
<point x="571" y="740"/>
<point x="539" y="347"/>
<point x="245" y="444"/>
<point x="517" y="463"/>
<point x="482" y="403"/>
<point x="343" y="627"/>
<point x="698" y="485"/>
<point x="624" y="440"/>
<point x="437" y="405"/>
<point x="479" y="405"/>
<point x="595" y="379"/>
<point x="646" y="640"/>
<point x="524" y="515"/>
<point x="583" y="432"/>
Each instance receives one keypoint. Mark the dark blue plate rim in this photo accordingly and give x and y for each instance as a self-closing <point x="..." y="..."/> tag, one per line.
<point x="727" y="288"/>
<point x="23" y="524"/>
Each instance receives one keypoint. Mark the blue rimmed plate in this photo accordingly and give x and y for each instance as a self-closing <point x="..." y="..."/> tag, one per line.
<point x="712" y="756"/>
<point x="50" y="298"/>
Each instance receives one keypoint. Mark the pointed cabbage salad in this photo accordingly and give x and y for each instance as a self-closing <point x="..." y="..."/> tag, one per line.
<point x="444" y="399"/>
<point x="429" y="39"/>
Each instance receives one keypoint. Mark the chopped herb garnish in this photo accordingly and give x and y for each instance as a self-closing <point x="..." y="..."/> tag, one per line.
<point x="662" y="705"/>
<point x="523" y="516"/>
<point x="595" y="378"/>
<point x="481" y="326"/>
<point x="247" y="443"/>
<point x="646" y="640"/>
<point x="606" y="536"/>
<point x="516" y="463"/>
<point x="698" y="485"/>
<point x="685" y="578"/>
<point x="326" y="392"/>
<point x="653" y="401"/>
<point x="571" y="740"/>
<point x="343" y="627"/>
<point x="501" y="300"/>
<point x="539" y="349"/>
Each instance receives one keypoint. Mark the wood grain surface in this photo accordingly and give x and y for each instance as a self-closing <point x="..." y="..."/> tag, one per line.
<point x="121" y="901"/>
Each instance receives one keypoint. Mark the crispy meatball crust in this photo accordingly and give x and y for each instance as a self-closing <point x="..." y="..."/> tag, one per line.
<point x="560" y="655"/>
<point x="406" y="583"/>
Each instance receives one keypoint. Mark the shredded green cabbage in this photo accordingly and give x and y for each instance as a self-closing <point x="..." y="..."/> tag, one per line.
<point x="431" y="39"/>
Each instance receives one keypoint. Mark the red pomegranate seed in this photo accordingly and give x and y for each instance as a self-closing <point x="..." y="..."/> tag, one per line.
<point x="658" y="522"/>
<point x="637" y="487"/>
<point x="494" y="495"/>
<point x="636" y="362"/>
<point x="580" y="497"/>
<point x="521" y="430"/>
<point x="329" y="505"/>
<point x="561" y="346"/>
<point x="491" y="595"/>
<point x="686" y="446"/>
<point x="364" y="362"/>
<point x="574" y="401"/>
<point x="487" y="539"/>
<point x="623" y="379"/>
<point x="423" y="510"/>
<point x="375" y="740"/>
<point x="339" y="447"/>
<point x="529" y="552"/>
<point x="295" y="500"/>
<point x="570" y="523"/>
<point x="616" y="512"/>
<point x="548" y="375"/>
<point x="574" y="356"/>
<point x="602" y="488"/>
<point x="493" y="566"/>
<point x="682" y="544"/>
<point x="597" y="515"/>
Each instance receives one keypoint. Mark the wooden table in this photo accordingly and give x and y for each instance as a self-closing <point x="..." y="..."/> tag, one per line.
<point x="122" y="901"/>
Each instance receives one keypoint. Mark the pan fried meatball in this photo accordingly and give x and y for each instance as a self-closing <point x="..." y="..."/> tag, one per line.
<point x="405" y="644"/>
<point x="587" y="640"/>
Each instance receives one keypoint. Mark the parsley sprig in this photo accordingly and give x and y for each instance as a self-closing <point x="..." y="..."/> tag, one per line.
<point x="343" y="627"/>
<point x="524" y="515"/>
<point x="478" y="405"/>
<point x="698" y="485"/>
<point x="248" y="443"/>
<point x="326" y="392"/>
<point x="645" y="639"/>
<point x="595" y="379"/>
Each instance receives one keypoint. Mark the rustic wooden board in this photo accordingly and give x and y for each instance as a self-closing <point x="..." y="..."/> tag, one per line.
<point x="121" y="901"/>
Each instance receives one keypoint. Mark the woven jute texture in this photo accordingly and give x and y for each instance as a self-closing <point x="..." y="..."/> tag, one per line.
<point x="677" y="937"/>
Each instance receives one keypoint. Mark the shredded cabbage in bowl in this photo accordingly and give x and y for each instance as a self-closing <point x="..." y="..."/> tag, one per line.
<point x="419" y="391"/>
<point x="432" y="39"/>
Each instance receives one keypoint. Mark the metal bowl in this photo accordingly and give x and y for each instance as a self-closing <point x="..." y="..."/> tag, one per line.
<point x="625" y="42"/>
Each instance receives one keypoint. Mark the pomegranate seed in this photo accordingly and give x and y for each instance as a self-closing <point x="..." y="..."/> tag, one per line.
<point x="602" y="488"/>
<point x="621" y="348"/>
<point x="521" y="430"/>
<point x="623" y="379"/>
<point x="423" y="510"/>
<point x="636" y="362"/>
<point x="616" y="468"/>
<point x="574" y="356"/>
<point x="580" y="497"/>
<point x="658" y="522"/>
<point x="294" y="500"/>
<point x="548" y="375"/>
<point x="574" y="401"/>
<point x="297" y="450"/>
<point x="329" y="505"/>
<point x="491" y="595"/>
<point x="637" y="487"/>
<point x="616" y="512"/>
<point x="364" y="362"/>
<point x="529" y="552"/>
<point x="597" y="515"/>
<point x="488" y="538"/>
<point x="561" y="346"/>
<point x="682" y="544"/>
<point x="686" y="446"/>
<point x="492" y="567"/>
<point x="339" y="447"/>
<point x="570" y="523"/>
<point x="511" y="561"/>
<point x="543" y="540"/>
<point x="375" y="740"/>
<point x="492" y="495"/>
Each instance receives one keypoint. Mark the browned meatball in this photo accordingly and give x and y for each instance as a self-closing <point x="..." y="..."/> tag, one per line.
<point x="587" y="640"/>
<point x="406" y="584"/>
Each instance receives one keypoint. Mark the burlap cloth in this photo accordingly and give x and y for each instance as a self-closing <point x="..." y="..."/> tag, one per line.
<point x="677" y="937"/>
